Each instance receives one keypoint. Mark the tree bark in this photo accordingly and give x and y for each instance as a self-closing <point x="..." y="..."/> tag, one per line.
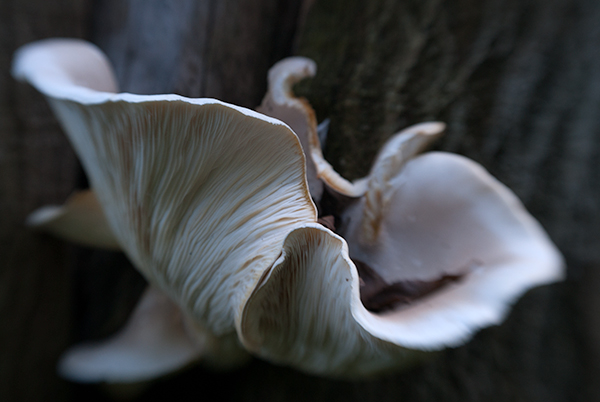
<point x="517" y="82"/>
<point x="37" y="166"/>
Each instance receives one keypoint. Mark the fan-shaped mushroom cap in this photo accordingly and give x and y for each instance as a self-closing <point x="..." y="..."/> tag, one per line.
<point x="314" y="277"/>
<point x="210" y="202"/>
<point x="199" y="194"/>
<point x="481" y="233"/>
<point x="418" y="219"/>
<point x="428" y="228"/>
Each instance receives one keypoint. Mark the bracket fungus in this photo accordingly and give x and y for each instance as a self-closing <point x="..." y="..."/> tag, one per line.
<point x="211" y="203"/>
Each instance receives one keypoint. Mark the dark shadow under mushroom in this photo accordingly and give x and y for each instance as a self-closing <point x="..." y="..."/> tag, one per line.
<point x="379" y="296"/>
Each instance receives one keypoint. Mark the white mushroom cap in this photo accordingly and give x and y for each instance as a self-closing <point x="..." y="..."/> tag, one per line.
<point x="280" y="102"/>
<point x="428" y="229"/>
<point x="210" y="202"/>
<point x="66" y="69"/>
<point x="158" y="338"/>
<point x="303" y="312"/>
<point x="154" y="342"/>
<point x="199" y="194"/>
<point x="447" y="215"/>
<point x="418" y="219"/>
<point x="80" y="220"/>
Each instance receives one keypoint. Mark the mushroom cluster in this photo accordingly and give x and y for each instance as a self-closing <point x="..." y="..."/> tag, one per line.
<point x="251" y="242"/>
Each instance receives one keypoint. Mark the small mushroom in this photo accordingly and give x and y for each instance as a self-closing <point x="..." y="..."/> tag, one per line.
<point x="441" y="249"/>
<point x="154" y="342"/>
<point x="211" y="203"/>
<point x="80" y="220"/>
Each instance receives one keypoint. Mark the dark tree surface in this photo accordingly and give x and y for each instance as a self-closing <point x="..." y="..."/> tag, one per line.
<point x="37" y="166"/>
<point x="518" y="83"/>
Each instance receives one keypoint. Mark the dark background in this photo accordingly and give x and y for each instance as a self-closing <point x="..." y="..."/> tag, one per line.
<point x="517" y="82"/>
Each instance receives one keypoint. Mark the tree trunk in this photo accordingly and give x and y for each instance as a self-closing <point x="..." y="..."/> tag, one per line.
<point x="517" y="82"/>
<point x="37" y="166"/>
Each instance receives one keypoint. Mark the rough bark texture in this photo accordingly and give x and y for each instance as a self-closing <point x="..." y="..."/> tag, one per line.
<point x="518" y="83"/>
<point x="37" y="166"/>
